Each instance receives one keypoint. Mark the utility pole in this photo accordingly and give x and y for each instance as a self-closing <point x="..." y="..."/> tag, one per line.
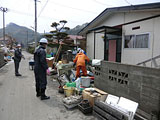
<point x="35" y="24"/>
<point x="3" y="10"/>
<point x="27" y="39"/>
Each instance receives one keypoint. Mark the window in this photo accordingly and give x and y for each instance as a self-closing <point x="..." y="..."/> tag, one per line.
<point x="129" y="41"/>
<point x="142" y="41"/>
<point x="136" y="41"/>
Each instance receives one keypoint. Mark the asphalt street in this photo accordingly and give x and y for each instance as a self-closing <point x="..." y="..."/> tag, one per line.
<point x="19" y="102"/>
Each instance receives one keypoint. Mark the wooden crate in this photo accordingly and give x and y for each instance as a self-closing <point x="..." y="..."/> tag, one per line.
<point x="91" y="98"/>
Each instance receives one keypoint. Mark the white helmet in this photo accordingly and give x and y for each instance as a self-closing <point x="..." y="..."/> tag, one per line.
<point x="43" y="40"/>
<point x="78" y="50"/>
<point x="19" y="45"/>
<point x="81" y="51"/>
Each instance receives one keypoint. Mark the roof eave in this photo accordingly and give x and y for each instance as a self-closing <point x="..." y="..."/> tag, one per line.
<point x="120" y="9"/>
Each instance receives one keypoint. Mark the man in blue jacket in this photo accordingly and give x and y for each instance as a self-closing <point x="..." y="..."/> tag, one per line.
<point x="40" y="69"/>
<point x="17" y="59"/>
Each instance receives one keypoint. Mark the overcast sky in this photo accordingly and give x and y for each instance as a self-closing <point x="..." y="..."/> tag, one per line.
<point x="76" y="12"/>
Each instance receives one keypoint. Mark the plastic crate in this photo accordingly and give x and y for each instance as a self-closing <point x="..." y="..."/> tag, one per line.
<point x="71" y="106"/>
<point x="85" y="81"/>
<point x="85" y="110"/>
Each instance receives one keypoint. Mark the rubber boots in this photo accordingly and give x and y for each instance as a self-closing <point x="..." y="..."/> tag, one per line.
<point x="38" y="92"/>
<point x="43" y="95"/>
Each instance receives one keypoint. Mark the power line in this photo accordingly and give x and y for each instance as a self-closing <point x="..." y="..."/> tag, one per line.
<point x="43" y="8"/>
<point x="43" y="17"/>
<point x="127" y="2"/>
<point x="74" y="8"/>
<point x="20" y="12"/>
<point x="101" y="3"/>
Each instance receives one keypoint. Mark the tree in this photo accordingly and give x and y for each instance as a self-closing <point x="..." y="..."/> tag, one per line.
<point x="60" y="30"/>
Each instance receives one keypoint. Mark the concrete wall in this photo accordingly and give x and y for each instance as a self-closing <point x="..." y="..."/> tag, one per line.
<point x="140" y="84"/>
<point x="1" y="59"/>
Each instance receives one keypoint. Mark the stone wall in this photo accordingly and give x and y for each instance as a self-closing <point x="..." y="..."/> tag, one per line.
<point x="140" y="84"/>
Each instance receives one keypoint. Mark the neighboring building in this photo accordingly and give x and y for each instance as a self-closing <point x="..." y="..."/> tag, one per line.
<point x="128" y="34"/>
<point x="8" y="40"/>
<point x="71" y="41"/>
<point x="77" y="41"/>
<point x="31" y="44"/>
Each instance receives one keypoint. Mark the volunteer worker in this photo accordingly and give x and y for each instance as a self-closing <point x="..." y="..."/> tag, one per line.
<point x="80" y="63"/>
<point x="40" y="69"/>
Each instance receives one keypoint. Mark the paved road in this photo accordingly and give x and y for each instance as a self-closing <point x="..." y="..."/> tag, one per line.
<point x="18" y="101"/>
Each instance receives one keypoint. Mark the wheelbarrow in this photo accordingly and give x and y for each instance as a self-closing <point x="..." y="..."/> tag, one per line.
<point x="31" y="64"/>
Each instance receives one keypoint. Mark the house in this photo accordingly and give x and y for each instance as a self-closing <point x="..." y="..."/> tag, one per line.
<point x="8" y="40"/>
<point x="77" y="41"/>
<point x="71" y="41"/>
<point x="128" y="34"/>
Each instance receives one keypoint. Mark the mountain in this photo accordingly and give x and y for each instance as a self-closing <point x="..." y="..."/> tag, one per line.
<point x="76" y="29"/>
<point x="20" y="33"/>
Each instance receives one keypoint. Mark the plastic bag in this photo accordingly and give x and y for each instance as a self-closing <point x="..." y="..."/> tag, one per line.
<point x="48" y="72"/>
<point x="78" y="83"/>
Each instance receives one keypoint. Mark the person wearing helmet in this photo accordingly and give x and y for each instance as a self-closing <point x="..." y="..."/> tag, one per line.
<point x="17" y="59"/>
<point x="78" y="50"/>
<point x="40" y="69"/>
<point x="80" y="63"/>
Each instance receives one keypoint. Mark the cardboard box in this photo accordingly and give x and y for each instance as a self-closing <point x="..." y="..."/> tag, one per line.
<point x="92" y="98"/>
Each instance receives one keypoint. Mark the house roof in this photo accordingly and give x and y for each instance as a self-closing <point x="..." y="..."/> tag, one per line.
<point x="74" y="37"/>
<point x="109" y="11"/>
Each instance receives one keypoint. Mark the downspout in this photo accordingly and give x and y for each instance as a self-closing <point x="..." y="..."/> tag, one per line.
<point x="94" y="43"/>
<point x="86" y="43"/>
<point x="105" y="39"/>
<point x="152" y="45"/>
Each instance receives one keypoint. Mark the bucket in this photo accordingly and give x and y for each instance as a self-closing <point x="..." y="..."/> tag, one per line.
<point x="68" y="91"/>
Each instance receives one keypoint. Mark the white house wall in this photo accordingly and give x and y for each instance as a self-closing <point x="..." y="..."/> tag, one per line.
<point x="90" y="45"/>
<point x="112" y="20"/>
<point x="99" y="46"/>
<point x="130" y="56"/>
<point x="151" y="26"/>
<point x="156" y="24"/>
<point x="136" y="15"/>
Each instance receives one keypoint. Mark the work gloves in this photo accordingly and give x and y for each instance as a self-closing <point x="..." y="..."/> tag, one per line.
<point x="48" y="72"/>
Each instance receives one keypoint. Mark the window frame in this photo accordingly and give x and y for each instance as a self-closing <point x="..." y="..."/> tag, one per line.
<point x="147" y="33"/>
